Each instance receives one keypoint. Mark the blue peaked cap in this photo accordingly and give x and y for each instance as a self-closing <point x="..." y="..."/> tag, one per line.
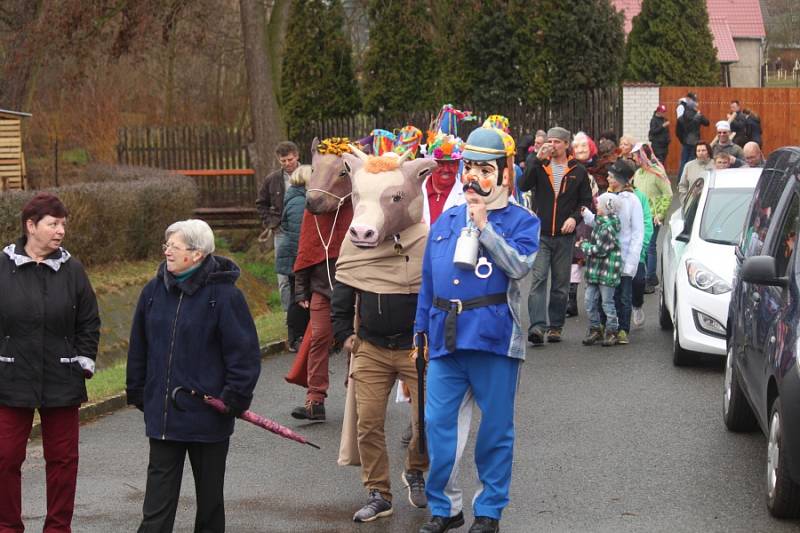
<point x="484" y="144"/>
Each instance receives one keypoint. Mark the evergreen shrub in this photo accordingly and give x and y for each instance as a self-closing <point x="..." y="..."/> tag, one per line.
<point x="111" y="220"/>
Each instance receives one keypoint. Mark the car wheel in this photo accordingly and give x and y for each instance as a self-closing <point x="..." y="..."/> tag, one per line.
<point x="680" y="357"/>
<point x="664" y="319"/>
<point x="736" y="412"/>
<point x="783" y="494"/>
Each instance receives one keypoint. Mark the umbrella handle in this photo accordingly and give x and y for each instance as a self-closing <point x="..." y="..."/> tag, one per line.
<point x="181" y="389"/>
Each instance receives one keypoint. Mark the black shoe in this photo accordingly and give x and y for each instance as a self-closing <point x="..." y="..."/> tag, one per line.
<point x="440" y="524"/>
<point x="310" y="411"/>
<point x="572" y="302"/>
<point x="572" y="308"/>
<point x="554" y="335"/>
<point x="536" y="338"/>
<point x="649" y="289"/>
<point x="484" y="524"/>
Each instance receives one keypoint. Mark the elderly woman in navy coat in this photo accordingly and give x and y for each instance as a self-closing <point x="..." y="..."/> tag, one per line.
<point x="192" y="328"/>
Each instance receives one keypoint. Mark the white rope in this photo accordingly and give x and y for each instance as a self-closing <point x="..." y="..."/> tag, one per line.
<point x="326" y="245"/>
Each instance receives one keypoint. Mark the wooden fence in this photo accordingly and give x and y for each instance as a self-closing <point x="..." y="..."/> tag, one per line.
<point x="183" y="147"/>
<point x="590" y="111"/>
<point x="778" y="109"/>
<point x="226" y="197"/>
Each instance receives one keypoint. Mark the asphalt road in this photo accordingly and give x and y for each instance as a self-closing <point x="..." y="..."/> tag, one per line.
<point x="608" y="439"/>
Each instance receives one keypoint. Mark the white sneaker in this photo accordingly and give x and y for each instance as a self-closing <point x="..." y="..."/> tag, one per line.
<point x="638" y="317"/>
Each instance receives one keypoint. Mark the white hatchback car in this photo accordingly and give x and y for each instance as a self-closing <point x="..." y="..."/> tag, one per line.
<point x="697" y="261"/>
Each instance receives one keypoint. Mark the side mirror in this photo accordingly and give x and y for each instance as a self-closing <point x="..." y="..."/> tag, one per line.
<point x="760" y="270"/>
<point x="682" y="237"/>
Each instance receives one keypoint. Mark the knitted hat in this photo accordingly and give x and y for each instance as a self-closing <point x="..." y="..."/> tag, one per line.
<point x="609" y="202"/>
<point x="622" y="171"/>
<point x="558" y="132"/>
<point x="724" y="125"/>
<point x="661" y="108"/>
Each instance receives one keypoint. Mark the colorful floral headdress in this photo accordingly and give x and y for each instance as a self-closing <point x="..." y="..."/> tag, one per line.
<point x="448" y="118"/>
<point x="444" y="147"/>
<point x="382" y="141"/>
<point x="497" y="121"/>
<point x="334" y="146"/>
<point x="508" y="142"/>
<point x="408" y="139"/>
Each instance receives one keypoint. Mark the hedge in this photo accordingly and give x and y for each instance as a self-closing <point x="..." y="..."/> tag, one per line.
<point x="111" y="220"/>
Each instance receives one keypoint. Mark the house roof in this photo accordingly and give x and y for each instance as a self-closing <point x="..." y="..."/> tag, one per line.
<point x="723" y="40"/>
<point x="630" y="8"/>
<point x="744" y="16"/>
<point x="728" y="20"/>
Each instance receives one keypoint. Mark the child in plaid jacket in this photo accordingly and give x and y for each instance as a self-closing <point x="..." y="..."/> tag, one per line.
<point x="603" y="269"/>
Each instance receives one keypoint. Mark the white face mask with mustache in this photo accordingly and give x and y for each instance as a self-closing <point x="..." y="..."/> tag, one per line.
<point x="481" y="177"/>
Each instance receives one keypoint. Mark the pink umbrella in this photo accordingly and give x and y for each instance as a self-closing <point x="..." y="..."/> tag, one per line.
<point x="249" y="416"/>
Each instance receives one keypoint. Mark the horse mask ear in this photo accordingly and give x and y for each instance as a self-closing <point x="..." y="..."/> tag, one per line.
<point x="314" y="145"/>
<point x="418" y="169"/>
<point x="351" y="163"/>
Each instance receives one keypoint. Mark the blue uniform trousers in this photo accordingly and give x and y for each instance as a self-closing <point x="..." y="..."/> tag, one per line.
<point x="454" y="383"/>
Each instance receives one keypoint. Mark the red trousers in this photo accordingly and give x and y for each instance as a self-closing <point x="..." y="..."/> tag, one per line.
<point x="321" y="341"/>
<point x="60" y="442"/>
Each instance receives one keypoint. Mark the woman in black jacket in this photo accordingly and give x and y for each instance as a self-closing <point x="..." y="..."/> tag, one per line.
<point x="49" y="330"/>
<point x="192" y="328"/>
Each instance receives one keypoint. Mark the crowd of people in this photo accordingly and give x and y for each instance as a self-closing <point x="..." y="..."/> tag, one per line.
<point x="383" y="246"/>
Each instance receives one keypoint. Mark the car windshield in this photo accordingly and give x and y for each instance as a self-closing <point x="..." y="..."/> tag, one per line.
<point x="723" y="216"/>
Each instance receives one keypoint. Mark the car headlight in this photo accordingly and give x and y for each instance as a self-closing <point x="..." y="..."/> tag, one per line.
<point x="701" y="277"/>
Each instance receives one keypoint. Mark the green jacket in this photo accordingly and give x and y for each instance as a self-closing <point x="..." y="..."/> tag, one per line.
<point x="657" y="190"/>
<point x="603" y="255"/>
<point x="648" y="223"/>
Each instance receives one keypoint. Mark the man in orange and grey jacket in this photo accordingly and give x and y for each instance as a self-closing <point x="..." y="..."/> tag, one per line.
<point x="559" y="187"/>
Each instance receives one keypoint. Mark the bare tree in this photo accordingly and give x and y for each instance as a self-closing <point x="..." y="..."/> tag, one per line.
<point x="20" y="18"/>
<point x="264" y="111"/>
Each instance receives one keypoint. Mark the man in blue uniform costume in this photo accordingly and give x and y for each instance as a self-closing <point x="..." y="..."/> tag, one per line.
<point x="472" y="318"/>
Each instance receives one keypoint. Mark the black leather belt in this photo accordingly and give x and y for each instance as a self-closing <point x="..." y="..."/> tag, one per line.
<point x="455" y="307"/>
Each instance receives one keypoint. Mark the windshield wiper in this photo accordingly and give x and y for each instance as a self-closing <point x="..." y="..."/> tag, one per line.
<point x="720" y="241"/>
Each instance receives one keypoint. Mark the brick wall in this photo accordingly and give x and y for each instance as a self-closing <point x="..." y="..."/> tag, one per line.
<point x="638" y="104"/>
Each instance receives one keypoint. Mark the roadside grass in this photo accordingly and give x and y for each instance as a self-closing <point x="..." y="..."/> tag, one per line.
<point x="788" y="82"/>
<point x="114" y="276"/>
<point x="107" y="382"/>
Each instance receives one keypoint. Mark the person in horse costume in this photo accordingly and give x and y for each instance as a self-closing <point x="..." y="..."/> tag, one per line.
<point x="470" y="308"/>
<point x="328" y="213"/>
<point x="378" y="275"/>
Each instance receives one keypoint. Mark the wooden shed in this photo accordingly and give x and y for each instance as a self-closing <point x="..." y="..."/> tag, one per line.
<point x="12" y="159"/>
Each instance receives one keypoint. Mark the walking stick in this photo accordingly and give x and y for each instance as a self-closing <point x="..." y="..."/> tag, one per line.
<point x="422" y="354"/>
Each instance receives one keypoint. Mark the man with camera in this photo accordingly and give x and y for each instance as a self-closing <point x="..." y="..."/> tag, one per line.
<point x="559" y="187"/>
<point x="470" y="308"/>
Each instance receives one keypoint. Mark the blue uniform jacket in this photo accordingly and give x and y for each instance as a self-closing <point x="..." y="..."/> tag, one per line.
<point x="509" y="241"/>
<point x="197" y="333"/>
